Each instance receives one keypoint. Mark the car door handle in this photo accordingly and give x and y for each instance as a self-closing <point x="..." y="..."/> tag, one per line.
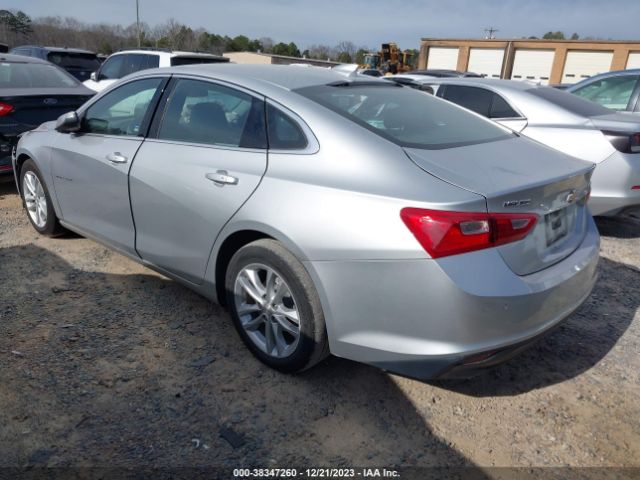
<point x="116" y="157"/>
<point x="222" y="177"/>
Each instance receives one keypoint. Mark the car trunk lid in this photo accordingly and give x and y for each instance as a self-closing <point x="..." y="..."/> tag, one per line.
<point x="31" y="110"/>
<point x="521" y="176"/>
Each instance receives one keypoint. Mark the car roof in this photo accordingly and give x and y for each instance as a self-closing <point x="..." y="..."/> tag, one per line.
<point x="8" y="57"/>
<point x="287" y="77"/>
<point x="57" y="49"/>
<point x="171" y="53"/>
<point x="483" y="82"/>
<point x="613" y="73"/>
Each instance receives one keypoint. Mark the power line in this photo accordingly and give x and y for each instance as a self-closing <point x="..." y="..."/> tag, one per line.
<point x="489" y="33"/>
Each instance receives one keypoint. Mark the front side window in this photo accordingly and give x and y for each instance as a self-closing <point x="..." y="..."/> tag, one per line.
<point x="208" y="113"/>
<point x="111" y="68"/>
<point x="122" y="111"/>
<point x="406" y="116"/>
<point x="612" y="92"/>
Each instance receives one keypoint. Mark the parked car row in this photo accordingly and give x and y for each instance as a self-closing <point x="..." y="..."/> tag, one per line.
<point x="560" y="120"/>
<point x="330" y="213"/>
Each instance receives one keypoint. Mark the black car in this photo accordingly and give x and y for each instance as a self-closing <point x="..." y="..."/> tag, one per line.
<point x="79" y="63"/>
<point x="32" y="92"/>
<point x="444" y="73"/>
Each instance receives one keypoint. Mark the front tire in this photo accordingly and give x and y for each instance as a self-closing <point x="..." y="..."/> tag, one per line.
<point x="275" y="307"/>
<point x="37" y="201"/>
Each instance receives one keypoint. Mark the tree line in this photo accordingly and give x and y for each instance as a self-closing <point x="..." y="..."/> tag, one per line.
<point x="18" y="28"/>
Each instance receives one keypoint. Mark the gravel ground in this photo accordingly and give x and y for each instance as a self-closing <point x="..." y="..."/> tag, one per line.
<point x="103" y="363"/>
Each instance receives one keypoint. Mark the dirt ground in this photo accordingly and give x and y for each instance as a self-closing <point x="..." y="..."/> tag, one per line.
<point x="106" y="363"/>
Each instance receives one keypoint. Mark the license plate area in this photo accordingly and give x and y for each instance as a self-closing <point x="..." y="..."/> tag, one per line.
<point x="556" y="225"/>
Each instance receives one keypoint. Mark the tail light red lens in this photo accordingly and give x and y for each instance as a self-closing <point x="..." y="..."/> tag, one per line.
<point x="5" y="109"/>
<point x="442" y="233"/>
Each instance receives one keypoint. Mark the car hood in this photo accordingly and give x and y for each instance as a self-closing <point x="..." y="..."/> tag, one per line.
<point x="496" y="168"/>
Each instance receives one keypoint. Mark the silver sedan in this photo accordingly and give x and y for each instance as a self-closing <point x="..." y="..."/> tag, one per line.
<point x="330" y="213"/>
<point x="562" y="121"/>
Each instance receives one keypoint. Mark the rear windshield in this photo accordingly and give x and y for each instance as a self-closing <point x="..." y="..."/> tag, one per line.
<point x="570" y="102"/>
<point x="76" y="61"/>
<point x="176" y="61"/>
<point x="34" y="75"/>
<point x="405" y="116"/>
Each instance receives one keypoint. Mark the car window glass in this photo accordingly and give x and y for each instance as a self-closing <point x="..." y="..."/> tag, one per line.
<point x="571" y="103"/>
<point x="203" y="112"/>
<point x="407" y="117"/>
<point x="84" y="61"/>
<point x="34" y="75"/>
<point x="475" y="99"/>
<point x="501" y="109"/>
<point x="612" y="92"/>
<point x="180" y="60"/>
<point x="284" y="132"/>
<point x="121" y="111"/>
<point x="111" y="68"/>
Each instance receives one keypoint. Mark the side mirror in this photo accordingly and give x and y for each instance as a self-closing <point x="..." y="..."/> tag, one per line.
<point x="94" y="76"/>
<point x="68" y="123"/>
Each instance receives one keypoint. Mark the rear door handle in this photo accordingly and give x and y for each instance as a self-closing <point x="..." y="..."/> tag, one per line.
<point x="222" y="177"/>
<point x="116" y="157"/>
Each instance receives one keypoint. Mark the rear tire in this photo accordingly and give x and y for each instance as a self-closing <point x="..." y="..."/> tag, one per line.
<point x="37" y="201"/>
<point x="275" y="307"/>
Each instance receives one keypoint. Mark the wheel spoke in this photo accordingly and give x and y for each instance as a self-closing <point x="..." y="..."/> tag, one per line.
<point x="280" y="342"/>
<point x="290" y="313"/>
<point x="286" y="325"/>
<point x="254" y="323"/>
<point x="250" y="283"/>
<point x="270" y="339"/>
<point x="245" y="308"/>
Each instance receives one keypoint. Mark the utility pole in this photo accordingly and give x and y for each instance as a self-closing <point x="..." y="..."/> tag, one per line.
<point x="489" y="33"/>
<point x="138" y="21"/>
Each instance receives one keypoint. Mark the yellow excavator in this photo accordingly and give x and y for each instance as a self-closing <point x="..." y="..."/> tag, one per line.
<point x="390" y="59"/>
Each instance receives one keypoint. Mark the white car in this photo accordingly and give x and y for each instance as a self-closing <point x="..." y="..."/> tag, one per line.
<point x="125" y="62"/>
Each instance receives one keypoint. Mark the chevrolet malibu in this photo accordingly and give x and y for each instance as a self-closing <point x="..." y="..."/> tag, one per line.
<point x="330" y="213"/>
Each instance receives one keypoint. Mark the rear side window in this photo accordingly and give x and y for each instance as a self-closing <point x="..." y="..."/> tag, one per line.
<point x="135" y="62"/>
<point x="208" y="113"/>
<point x="405" y="116"/>
<point x="479" y="100"/>
<point x="611" y="92"/>
<point x="284" y="132"/>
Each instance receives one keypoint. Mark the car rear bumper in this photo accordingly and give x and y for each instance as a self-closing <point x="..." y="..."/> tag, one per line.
<point x="612" y="184"/>
<point x="451" y="317"/>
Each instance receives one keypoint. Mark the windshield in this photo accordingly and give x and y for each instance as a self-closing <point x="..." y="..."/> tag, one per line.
<point x="405" y="116"/>
<point x="80" y="61"/>
<point x="34" y="75"/>
<point x="570" y="102"/>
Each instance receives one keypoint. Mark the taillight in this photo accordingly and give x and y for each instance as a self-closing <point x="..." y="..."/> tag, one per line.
<point x="442" y="233"/>
<point x="5" y="109"/>
<point x="624" y="142"/>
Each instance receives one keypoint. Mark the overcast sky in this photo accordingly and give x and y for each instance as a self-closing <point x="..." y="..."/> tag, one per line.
<point x="365" y="22"/>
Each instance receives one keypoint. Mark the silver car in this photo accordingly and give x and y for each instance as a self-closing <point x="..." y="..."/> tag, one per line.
<point x="329" y="213"/>
<point x="565" y="122"/>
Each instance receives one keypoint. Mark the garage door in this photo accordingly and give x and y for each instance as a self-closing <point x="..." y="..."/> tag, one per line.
<point x="445" y="58"/>
<point x="581" y="65"/>
<point x="486" y="61"/>
<point x="634" y="60"/>
<point x="534" y="65"/>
